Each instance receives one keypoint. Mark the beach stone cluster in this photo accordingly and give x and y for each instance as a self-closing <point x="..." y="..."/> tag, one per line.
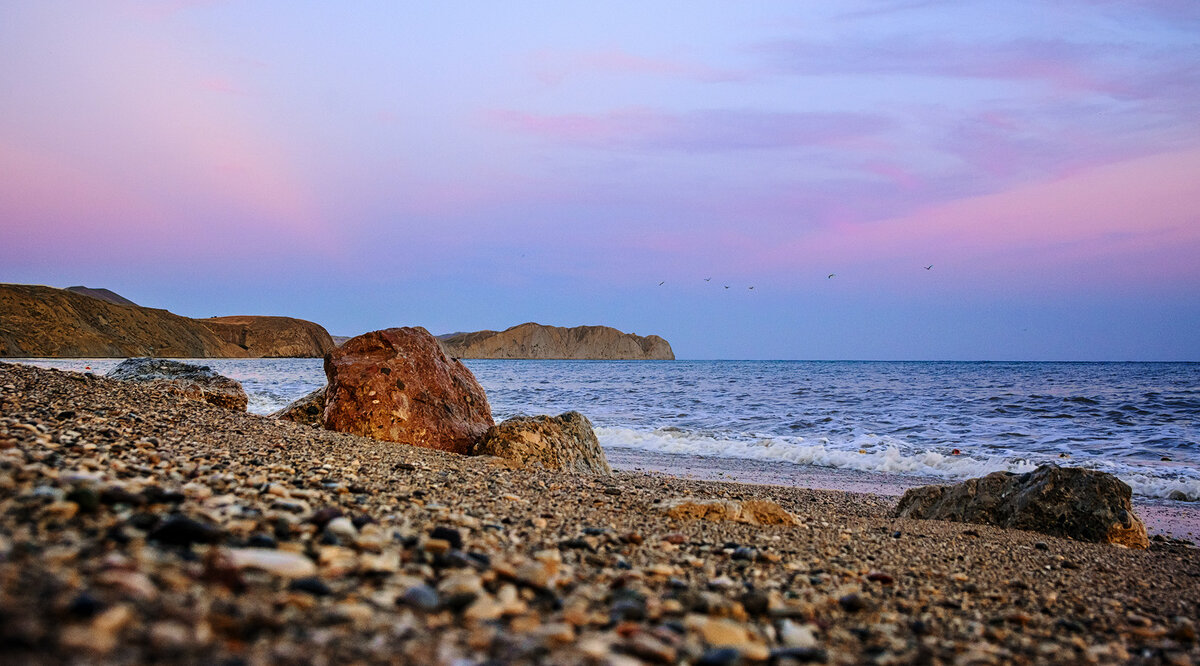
<point x="565" y="442"/>
<point x="191" y="382"/>
<point x="136" y="527"/>
<point x="1063" y="501"/>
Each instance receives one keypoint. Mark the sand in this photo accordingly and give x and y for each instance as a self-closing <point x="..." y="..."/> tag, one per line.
<point x="135" y="527"/>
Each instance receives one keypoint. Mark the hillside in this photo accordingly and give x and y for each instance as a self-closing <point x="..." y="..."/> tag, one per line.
<point x="39" y="321"/>
<point x="536" y="341"/>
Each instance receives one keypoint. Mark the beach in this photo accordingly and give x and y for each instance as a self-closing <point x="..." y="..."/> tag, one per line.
<point x="135" y="527"/>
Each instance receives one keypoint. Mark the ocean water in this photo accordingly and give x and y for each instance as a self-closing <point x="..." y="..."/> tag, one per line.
<point x="951" y="420"/>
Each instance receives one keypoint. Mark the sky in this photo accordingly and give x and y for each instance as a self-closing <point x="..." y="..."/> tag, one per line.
<point x="982" y="180"/>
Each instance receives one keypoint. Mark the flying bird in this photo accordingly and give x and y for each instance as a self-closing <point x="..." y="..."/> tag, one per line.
<point x="830" y="276"/>
<point x="662" y="283"/>
<point x="929" y="267"/>
<point x="708" y="279"/>
<point x="749" y="287"/>
<point x="726" y="286"/>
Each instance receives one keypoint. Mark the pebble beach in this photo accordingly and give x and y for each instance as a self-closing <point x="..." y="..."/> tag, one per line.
<point x="136" y="527"/>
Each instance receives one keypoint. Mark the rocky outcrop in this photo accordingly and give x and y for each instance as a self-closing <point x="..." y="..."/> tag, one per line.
<point x="750" y="512"/>
<point x="309" y="410"/>
<point x="398" y="385"/>
<point x="191" y="382"/>
<point x="1060" y="501"/>
<point x="38" y="321"/>
<point x="535" y="341"/>
<point x="565" y="442"/>
<point x="272" y="337"/>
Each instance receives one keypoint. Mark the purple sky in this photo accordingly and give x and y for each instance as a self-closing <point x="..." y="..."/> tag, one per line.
<point x="462" y="166"/>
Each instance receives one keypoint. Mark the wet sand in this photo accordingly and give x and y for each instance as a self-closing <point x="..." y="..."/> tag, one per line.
<point x="138" y="528"/>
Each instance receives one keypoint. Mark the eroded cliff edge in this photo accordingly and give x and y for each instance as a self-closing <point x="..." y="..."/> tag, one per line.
<point x="39" y="321"/>
<point x="537" y="341"/>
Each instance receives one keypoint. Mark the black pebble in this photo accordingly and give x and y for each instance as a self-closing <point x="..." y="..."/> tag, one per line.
<point x="261" y="541"/>
<point x="852" y="603"/>
<point x="1042" y="545"/>
<point x="631" y="610"/>
<point x="448" y="534"/>
<point x="85" y="605"/>
<point x="312" y="585"/>
<point x="183" y="531"/>
<point x="807" y="655"/>
<point x="744" y="553"/>
<point x="87" y="499"/>
<point x="725" y="656"/>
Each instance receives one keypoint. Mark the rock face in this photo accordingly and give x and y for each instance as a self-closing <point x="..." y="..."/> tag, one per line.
<point x="1059" y="501"/>
<point x="272" y="337"/>
<point x="535" y="341"/>
<point x="192" y="382"/>
<point x="565" y="442"/>
<point x="398" y="385"/>
<point x="750" y="512"/>
<point x="308" y="410"/>
<point x="37" y="321"/>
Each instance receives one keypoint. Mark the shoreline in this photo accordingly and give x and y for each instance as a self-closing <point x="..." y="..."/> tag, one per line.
<point x="135" y="528"/>
<point x="1178" y="520"/>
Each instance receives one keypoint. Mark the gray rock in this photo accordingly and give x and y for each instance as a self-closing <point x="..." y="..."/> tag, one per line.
<point x="306" y="411"/>
<point x="1060" y="501"/>
<point x="565" y="442"/>
<point x="192" y="382"/>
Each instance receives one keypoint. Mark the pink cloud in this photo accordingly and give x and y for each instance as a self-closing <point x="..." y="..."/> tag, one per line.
<point x="1146" y="206"/>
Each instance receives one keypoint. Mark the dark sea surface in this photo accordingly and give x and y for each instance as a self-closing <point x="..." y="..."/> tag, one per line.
<point x="903" y="418"/>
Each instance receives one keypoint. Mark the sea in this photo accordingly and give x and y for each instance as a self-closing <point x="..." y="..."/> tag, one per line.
<point x="941" y="420"/>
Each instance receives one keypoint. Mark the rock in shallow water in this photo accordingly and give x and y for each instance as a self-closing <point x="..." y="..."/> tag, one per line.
<point x="192" y="382"/>
<point x="309" y="410"/>
<point x="1061" y="501"/>
<point x="565" y="442"/>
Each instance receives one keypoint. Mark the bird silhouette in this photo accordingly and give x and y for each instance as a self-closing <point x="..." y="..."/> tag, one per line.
<point x="929" y="267"/>
<point x="662" y="283"/>
<point x="708" y="279"/>
<point x="749" y="287"/>
<point x="726" y="286"/>
<point x="830" y="276"/>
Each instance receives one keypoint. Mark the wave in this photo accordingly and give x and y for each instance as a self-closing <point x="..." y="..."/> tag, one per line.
<point x="884" y="454"/>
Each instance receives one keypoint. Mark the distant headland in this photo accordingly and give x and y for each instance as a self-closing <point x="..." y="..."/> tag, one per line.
<point x="81" y="322"/>
<point x="537" y="341"/>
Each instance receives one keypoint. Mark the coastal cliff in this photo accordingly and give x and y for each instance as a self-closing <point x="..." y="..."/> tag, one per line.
<point x="536" y="341"/>
<point x="39" y="321"/>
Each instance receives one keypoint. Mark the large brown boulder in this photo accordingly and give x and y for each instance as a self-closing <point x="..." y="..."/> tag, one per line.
<point x="564" y="442"/>
<point x="1060" y="501"/>
<point x="191" y="382"/>
<point x="398" y="385"/>
<point x="309" y="410"/>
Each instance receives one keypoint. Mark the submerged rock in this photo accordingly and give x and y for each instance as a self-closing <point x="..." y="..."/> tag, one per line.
<point x="309" y="410"/>
<point x="398" y="385"/>
<point x="191" y="382"/>
<point x="564" y="442"/>
<point x="1061" y="501"/>
<point x="751" y="512"/>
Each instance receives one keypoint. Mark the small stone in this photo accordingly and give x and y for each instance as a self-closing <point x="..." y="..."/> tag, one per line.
<point x="420" y="597"/>
<point x="183" y="531"/>
<point x="801" y="655"/>
<point x="60" y="510"/>
<point x="852" y="603"/>
<point x="448" y="534"/>
<point x="311" y="585"/>
<point x="85" y="605"/>
<point x="343" y="528"/>
<point x="795" y="635"/>
<point x="87" y="499"/>
<point x="262" y="541"/>
<point x="744" y="553"/>
<point x="675" y="538"/>
<point x="723" y="656"/>
<point x="322" y="517"/>
<point x="651" y="649"/>
<point x="881" y="577"/>
<point x="436" y="546"/>
<point x="1042" y="545"/>
<point x="282" y="563"/>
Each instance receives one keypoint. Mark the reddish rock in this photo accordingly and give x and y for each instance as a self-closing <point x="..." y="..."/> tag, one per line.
<point x="397" y="385"/>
